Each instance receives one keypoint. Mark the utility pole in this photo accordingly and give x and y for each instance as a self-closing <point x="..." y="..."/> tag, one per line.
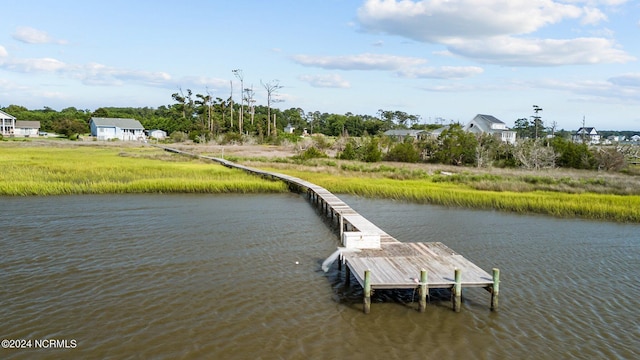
<point x="231" y="103"/>
<point x="536" y="118"/>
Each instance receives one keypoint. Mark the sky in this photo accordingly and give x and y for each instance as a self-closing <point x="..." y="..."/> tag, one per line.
<point x="443" y="60"/>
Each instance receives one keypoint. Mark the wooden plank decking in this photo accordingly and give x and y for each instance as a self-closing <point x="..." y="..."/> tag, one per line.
<point x="395" y="265"/>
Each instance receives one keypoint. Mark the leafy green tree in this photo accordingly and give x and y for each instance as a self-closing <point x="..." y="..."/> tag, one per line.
<point x="573" y="155"/>
<point x="70" y="128"/>
<point x="523" y="129"/>
<point x="101" y="113"/>
<point x="456" y="147"/>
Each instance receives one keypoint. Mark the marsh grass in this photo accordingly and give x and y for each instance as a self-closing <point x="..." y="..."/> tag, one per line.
<point x="102" y="170"/>
<point x="54" y="170"/>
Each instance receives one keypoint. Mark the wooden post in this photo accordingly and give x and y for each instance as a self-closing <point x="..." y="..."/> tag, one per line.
<point x="367" y="291"/>
<point x="341" y="221"/>
<point x="347" y="276"/>
<point x="495" y="289"/>
<point x="457" y="291"/>
<point x="424" y="290"/>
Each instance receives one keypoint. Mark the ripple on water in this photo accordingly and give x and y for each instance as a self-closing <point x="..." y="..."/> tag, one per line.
<point x="216" y="277"/>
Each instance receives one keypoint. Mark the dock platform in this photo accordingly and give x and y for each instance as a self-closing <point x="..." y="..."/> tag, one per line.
<point x="390" y="264"/>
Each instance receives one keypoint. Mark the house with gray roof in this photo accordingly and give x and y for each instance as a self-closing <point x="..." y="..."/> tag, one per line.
<point x="27" y="128"/>
<point x="488" y="124"/>
<point x="7" y="124"/>
<point x="116" y="128"/>
<point x="400" y="135"/>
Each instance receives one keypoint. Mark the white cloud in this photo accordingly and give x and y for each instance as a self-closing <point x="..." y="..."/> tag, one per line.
<point x="539" y="52"/>
<point x="33" y="65"/>
<point x="443" y="20"/>
<point x="494" y="30"/>
<point x="30" y="35"/>
<point x="593" y="16"/>
<point x="358" y="62"/>
<point x="443" y="72"/>
<point x="3" y="52"/>
<point x="328" y="81"/>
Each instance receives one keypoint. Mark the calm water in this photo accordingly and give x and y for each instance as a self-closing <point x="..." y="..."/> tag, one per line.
<point x="215" y="277"/>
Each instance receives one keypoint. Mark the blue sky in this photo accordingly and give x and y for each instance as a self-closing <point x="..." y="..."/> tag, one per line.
<point x="440" y="59"/>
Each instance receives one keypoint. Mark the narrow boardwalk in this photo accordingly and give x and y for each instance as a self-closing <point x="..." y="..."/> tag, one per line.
<point x="381" y="261"/>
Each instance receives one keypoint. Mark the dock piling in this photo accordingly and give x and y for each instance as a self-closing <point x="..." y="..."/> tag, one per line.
<point x="495" y="289"/>
<point x="367" y="291"/>
<point x="424" y="290"/>
<point x="457" y="291"/>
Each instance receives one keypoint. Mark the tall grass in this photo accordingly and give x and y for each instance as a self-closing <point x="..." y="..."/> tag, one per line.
<point x="609" y="207"/>
<point x="102" y="170"/>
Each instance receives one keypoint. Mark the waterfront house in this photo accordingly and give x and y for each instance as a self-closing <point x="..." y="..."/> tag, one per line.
<point x="400" y="135"/>
<point x="488" y="124"/>
<point x="7" y="124"/>
<point x="587" y="135"/>
<point x="116" y="128"/>
<point x="27" y="128"/>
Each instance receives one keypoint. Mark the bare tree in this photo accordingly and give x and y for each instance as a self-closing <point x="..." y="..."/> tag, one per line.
<point x="249" y="94"/>
<point x="238" y="73"/>
<point x="272" y="88"/>
<point x="533" y="155"/>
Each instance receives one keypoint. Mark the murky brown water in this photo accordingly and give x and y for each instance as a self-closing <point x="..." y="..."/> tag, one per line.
<point x="215" y="277"/>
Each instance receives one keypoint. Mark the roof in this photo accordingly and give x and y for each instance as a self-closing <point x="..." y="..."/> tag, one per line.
<point x="4" y="115"/>
<point x="403" y="132"/>
<point x="117" y="122"/>
<point x="28" y="124"/>
<point x="586" y="130"/>
<point x="483" y="122"/>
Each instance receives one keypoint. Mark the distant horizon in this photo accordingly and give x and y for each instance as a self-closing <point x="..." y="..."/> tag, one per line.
<point x="435" y="59"/>
<point x="374" y="115"/>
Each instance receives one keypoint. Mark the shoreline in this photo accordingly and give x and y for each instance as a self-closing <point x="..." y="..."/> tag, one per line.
<point x="558" y="192"/>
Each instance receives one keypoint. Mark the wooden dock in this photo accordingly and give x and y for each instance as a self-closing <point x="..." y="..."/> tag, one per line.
<point x="392" y="264"/>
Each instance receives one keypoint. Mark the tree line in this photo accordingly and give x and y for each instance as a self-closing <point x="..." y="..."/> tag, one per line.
<point x="202" y="118"/>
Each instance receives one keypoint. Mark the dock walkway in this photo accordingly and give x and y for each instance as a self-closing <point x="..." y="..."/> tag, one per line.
<point x="392" y="264"/>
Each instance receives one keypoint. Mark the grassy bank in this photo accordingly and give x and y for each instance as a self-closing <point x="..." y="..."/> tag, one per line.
<point x="49" y="169"/>
<point x="54" y="170"/>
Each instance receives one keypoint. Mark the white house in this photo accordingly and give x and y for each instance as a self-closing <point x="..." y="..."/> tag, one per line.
<point x="587" y="135"/>
<point x="116" y="128"/>
<point x="27" y="128"/>
<point x="481" y="124"/>
<point x="289" y="129"/>
<point x="7" y="124"/>
<point x="158" y="134"/>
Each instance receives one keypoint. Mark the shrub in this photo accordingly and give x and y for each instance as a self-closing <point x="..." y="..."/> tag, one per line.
<point x="231" y="138"/>
<point x="349" y="152"/>
<point x="403" y="152"/>
<point x="311" y="153"/>
<point x="178" y="136"/>
<point x="371" y="151"/>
